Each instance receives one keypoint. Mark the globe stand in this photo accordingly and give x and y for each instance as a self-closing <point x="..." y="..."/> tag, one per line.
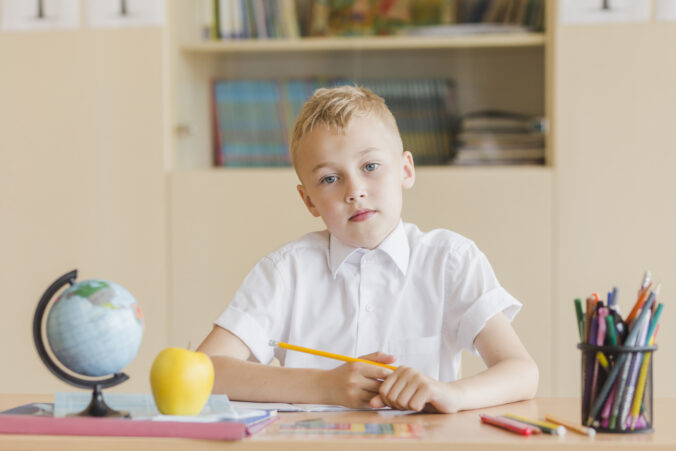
<point x="97" y="407"/>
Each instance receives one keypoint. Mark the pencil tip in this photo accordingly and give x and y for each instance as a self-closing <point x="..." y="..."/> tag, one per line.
<point x="272" y="343"/>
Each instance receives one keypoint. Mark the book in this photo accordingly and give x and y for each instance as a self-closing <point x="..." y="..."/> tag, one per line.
<point x="218" y="421"/>
<point x="253" y="119"/>
<point x="119" y="427"/>
<point x="494" y="137"/>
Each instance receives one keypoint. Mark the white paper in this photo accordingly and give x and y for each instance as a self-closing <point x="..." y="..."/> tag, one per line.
<point x="604" y="11"/>
<point x="285" y="407"/>
<point x="124" y="13"/>
<point x="23" y="15"/>
<point x="665" y="10"/>
<point x="216" y="417"/>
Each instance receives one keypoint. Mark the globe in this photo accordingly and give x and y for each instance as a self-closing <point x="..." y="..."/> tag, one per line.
<point x="95" y="328"/>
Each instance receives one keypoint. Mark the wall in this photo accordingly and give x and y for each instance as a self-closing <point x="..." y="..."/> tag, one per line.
<point x="615" y="158"/>
<point x="81" y="182"/>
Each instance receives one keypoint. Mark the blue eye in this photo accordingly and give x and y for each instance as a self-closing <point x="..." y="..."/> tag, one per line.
<point x="329" y="179"/>
<point x="370" y="167"/>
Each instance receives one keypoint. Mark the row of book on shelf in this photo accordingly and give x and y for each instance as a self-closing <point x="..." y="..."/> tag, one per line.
<point x="262" y="19"/>
<point x="252" y="122"/>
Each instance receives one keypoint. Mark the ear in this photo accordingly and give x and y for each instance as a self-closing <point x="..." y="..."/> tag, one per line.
<point x="307" y="201"/>
<point x="408" y="170"/>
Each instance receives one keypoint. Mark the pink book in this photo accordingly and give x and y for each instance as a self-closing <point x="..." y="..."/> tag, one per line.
<point x="47" y="425"/>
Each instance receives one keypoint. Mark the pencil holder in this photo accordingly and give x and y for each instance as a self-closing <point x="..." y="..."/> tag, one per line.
<point x="617" y="388"/>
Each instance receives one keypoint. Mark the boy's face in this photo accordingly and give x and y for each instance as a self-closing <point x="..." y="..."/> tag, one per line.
<point x="354" y="178"/>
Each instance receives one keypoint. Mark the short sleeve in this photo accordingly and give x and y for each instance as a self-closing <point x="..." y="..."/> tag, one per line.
<point x="256" y="314"/>
<point x="474" y="296"/>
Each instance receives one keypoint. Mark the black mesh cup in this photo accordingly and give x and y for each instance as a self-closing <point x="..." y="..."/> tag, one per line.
<point x="617" y="388"/>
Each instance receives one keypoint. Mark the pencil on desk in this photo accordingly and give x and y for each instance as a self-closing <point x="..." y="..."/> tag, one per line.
<point x="509" y="425"/>
<point x="570" y="425"/>
<point x="544" y="426"/>
<point x="329" y="355"/>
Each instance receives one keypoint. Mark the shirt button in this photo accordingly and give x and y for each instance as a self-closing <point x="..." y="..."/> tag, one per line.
<point x="369" y="308"/>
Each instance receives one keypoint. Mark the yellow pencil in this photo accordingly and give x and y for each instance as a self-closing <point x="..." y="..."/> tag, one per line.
<point x="640" y="385"/>
<point x="570" y="425"/>
<point x="329" y="355"/>
<point x="544" y="426"/>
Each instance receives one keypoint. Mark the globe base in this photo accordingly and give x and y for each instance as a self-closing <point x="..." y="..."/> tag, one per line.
<point x="98" y="407"/>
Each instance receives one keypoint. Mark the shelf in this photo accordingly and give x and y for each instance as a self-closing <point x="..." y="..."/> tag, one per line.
<point x="493" y="40"/>
<point x="246" y="172"/>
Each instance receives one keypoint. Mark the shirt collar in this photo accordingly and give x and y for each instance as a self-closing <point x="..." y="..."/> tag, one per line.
<point x="395" y="245"/>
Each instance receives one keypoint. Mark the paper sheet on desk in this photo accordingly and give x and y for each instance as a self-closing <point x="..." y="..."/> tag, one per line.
<point x="285" y="407"/>
<point x="142" y="406"/>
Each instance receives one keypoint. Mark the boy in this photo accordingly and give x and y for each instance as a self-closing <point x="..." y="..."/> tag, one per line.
<point x="369" y="285"/>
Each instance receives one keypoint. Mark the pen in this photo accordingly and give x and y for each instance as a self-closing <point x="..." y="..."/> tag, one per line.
<point x="610" y="329"/>
<point x="614" y="298"/>
<point x="329" y="355"/>
<point x="600" y="337"/>
<point x="580" y="318"/>
<point x="570" y="425"/>
<point x="507" y="424"/>
<point x="544" y="426"/>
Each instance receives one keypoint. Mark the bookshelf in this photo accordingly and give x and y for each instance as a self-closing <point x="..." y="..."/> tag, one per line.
<point x="492" y="71"/>
<point x="502" y="40"/>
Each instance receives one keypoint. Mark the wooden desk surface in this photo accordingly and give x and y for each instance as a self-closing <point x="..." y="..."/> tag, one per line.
<point x="463" y="431"/>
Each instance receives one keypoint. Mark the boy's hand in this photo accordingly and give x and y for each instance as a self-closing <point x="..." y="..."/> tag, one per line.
<point x="354" y="384"/>
<point x="409" y="389"/>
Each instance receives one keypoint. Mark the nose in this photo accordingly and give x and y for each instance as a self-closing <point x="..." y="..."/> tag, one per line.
<point x="354" y="192"/>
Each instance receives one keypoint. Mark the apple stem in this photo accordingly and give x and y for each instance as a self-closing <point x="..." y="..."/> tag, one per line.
<point x="188" y="347"/>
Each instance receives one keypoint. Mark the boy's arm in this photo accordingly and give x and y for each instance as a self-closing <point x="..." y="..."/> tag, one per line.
<point x="352" y="384"/>
<point x="512" y="375"/>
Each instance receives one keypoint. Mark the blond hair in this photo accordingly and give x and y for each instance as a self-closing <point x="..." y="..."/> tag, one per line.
<point x="335" y="107"/>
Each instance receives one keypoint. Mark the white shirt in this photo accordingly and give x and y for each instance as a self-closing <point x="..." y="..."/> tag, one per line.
<point x="422" y="297"/>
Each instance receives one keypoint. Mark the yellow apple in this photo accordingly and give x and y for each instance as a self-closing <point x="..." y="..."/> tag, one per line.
<point x="181" y="381"/>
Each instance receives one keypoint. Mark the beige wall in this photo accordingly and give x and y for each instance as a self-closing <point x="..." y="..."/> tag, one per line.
<point x="615" y="190"/>
<point x="81" y="182"/>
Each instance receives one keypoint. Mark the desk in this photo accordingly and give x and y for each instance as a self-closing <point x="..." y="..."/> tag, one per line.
<point x="461" y="431"/>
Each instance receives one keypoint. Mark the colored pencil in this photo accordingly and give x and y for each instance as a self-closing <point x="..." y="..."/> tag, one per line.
<point x="640" y="386"/>
<point x="580" y="429"/>
<point x="610" y="380"/>
<point x="636" y="360"/>
<point x="509" y="425"/>
<point x="544" y="426"/>
<point x="639" y="304"/>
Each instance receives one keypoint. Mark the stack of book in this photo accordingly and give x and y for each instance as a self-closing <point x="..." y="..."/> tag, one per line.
<point x="499" y="137"/>
<point x="253" y="120"/>
<point x="263" y="19"/>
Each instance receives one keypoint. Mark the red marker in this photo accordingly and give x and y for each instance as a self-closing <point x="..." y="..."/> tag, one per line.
<point x="510" y="425"/>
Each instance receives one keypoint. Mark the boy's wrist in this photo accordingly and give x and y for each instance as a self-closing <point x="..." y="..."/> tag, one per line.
<point x="452" y="397"/>
<point x="317" y="386"/>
